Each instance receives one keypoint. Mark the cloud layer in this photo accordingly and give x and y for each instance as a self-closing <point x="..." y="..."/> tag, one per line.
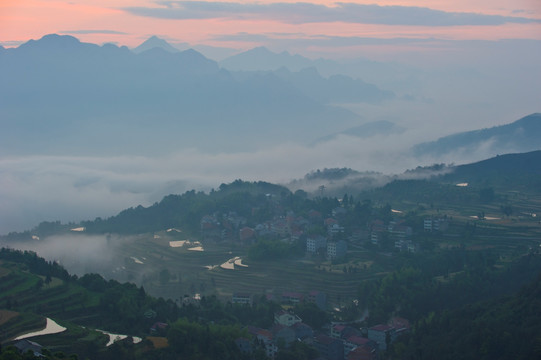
<point x="303" y="12"/>
<point x="86" y="32"/>
<point x="48" y="188"/>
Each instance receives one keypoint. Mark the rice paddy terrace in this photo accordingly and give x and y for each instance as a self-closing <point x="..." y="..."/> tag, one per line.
<point x="211" y="270"/>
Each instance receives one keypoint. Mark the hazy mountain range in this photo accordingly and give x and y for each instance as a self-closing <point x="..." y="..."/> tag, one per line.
<point x="374" y="128"/>
<point x="88" y="130"/>
<point x="262" y="59"/>
<point x="59" y="95"/>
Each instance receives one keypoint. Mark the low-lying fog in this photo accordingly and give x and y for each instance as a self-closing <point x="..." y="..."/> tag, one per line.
<point x="66" y="188"/>
<point x="79" y="253"/>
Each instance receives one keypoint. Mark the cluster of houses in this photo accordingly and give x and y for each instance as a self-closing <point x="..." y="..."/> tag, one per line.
<point x="287" y="297"/>
<point x="435" y="224"/>
<point x="320" y="245"/>
<point x="395" y="231"/>
<point x="340" y="342"/>
<point x="231" y="226"/>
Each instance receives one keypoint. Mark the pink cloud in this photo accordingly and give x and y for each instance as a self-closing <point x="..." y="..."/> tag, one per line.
<point x="22" y="20"/>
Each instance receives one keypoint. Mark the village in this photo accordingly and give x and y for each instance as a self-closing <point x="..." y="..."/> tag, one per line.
<point x="329" y="242"/>
<point x="337" y="341"/>
<point x="326" y="237"/>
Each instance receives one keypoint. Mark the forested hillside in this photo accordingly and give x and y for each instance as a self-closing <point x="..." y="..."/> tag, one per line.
<point x="451" y="253"/>
<point x="502" y="328"/>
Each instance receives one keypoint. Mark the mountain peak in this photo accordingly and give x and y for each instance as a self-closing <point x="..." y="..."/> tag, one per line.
<point x="260" y="50"/>
<point x="155" y="42"/>
<point x="53" y="41"/>
<point x="261" y="58"/>
<point x="531" y="119"/>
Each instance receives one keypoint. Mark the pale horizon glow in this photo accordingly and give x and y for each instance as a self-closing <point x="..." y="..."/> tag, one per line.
<point x="129" y="22"/>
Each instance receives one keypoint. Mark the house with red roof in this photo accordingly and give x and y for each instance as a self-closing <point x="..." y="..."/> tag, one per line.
<point x="330" y="348"/>
<point x="289" y="297"/>
<point x="317" y="297"/>
<point x="361" y="353"/>
<point x="246" y="234"/>
<point x="353" y="342"/>
<point x="283" y="333"/>
<point x="302" y="331"/>
<point x="341" y="331"/>
<point x="265" y="338"/>
<point x="401" y="325"/>
<point x="382" y="334"/>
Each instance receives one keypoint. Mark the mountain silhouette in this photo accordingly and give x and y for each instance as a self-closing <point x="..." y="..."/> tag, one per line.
<point x="261" y="58"/>
<point x="520" y="136"/>
<point x="59" y="95"/>
<point x="155" y="42"/>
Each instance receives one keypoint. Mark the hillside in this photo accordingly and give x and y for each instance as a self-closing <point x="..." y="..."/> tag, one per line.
<point x="140" y="237"/>
<point x="208" y="327"/>
<point x="200" y="249"/>
<point x="86" y="304"/>
<point x="519" y="136"/>
<point x="514" y="165"/>
<point x="499" y="329"/>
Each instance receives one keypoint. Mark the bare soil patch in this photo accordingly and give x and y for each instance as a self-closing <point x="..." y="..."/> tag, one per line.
<point x="6" y="315"/>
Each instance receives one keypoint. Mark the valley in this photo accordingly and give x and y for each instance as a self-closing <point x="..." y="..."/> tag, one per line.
<point x="408" y="248"/>
<point x="270" y="180"/>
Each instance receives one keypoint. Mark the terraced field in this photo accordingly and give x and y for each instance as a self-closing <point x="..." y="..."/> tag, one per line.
<point x="190" y="271"/>
<point x="512" y="237"/>
<point x="14" y="323"/>
<point x="28" y="293"/>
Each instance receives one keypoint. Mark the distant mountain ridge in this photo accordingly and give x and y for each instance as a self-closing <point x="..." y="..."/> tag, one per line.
<point x="182" y="99"/>
<point x="388" y="75"/>
<point x="334" y="89"/>
<point x="155" y="42"/>
<point x="520" y="136"/>
<point x="262" y="59"/>
<point x="373" y="128"/>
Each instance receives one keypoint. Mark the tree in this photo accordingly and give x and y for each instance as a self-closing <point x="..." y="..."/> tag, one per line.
<point x="301" y="194"/>
<point x="507" y="210"/>
<point x="165" y="276"/>
<point x="486" y="195"/>
<point x="345" y="201"/>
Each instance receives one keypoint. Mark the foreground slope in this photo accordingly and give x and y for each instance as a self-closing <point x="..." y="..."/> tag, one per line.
<point x="504" y="328"/>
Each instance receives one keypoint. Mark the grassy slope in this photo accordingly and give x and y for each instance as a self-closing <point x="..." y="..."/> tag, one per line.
<point x="19" y="289"/>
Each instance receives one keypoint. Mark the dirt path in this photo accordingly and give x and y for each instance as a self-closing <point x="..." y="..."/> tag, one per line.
<point x="6" y="315"/>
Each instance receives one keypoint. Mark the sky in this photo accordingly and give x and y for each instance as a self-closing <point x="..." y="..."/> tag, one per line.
<point x="475" y="65"/>
<point x="316" y="28"/>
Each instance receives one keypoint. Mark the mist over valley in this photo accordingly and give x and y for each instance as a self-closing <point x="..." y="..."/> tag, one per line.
<point x="109" y="128"/>
<point x="262" y="181"/>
